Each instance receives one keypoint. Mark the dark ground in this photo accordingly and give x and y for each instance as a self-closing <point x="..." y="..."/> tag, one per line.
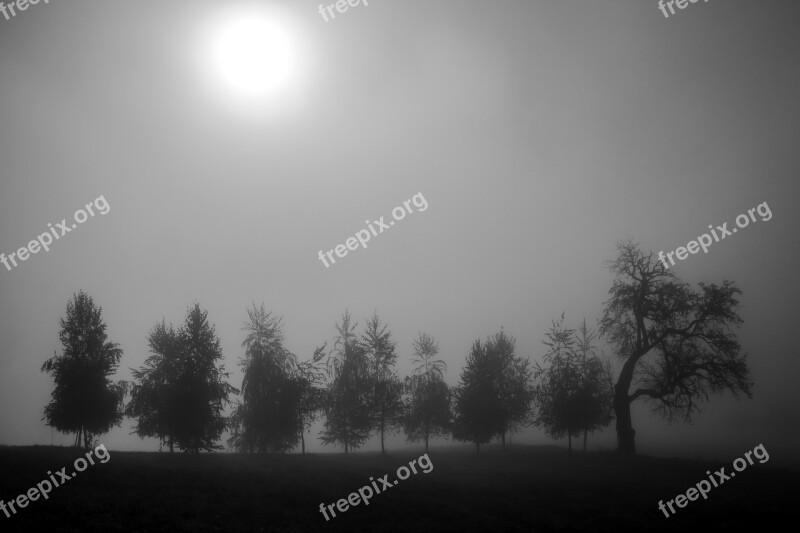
<point x="523" y="489"/>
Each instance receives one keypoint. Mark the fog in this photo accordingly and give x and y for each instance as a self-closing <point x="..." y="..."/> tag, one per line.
<point x="539" y="133"/>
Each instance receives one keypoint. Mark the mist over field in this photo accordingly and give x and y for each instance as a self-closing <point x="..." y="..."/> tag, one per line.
<point x="462" y="170"/>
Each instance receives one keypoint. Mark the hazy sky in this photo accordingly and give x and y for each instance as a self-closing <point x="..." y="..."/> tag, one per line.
<point x="539" y="132"/>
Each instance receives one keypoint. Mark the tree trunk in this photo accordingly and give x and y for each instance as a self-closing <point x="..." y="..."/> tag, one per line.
<point x="584" y="439"/>
<point x="345" y="447"/>
<point x="383" y="450"/>
<point x="302" y="434"/>
<point x="171" y="446"/>
<point x="622" y="409"/>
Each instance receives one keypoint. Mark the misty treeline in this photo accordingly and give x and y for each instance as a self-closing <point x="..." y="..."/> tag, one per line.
<point x="675" y="346"/>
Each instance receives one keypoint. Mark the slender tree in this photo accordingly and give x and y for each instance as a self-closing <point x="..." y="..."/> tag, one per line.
<point x="558" y="384"/>
<point x="596" y="393"/>
<point x="427" y="410"/>
<point x="676" y="344"/>
<point x="477" y="403"/>
<point x="84" y="401"/>
<point x="513" y="384"/>
<point x="155" y="394"/>
<point x="573" y="393"/>
<point x="267" y="418"/>
<point x="204" y="391"/>
<point x="349" y="394"/>
<point x="387" y="390"/>
<point x="308" y="378"/>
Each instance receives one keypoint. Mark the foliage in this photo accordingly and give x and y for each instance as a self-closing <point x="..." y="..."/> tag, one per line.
<point x="387" y="404"/>
<point x="84" y="401"/>
<point x="573" y="391"/>
<point x="347" y="400"/>
<point x="677" y="344"/>
<point x="494" y="395"/>
<point x="154" y="398"/>
<point x="308" y="379"/>
<point x="427" y="411"/>
<point x="180" y="392"/>
<point x="513" y="384"/>
<point x="425" y="351"/>
<point x="476" y="400"/>
<point x="267" y="418"/>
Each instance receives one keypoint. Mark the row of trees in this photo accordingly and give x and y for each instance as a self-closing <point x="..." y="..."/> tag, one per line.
<point x="675" y="346"/>
<point x="179" y="395"/>
<point x="575" y="390"/>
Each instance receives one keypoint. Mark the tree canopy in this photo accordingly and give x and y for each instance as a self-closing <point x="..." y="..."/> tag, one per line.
<point x="84" y="401"/>
<point x="348" y="417"/>
<point x="266" y="420"/>
<point x="494" y="394"/>
<point x="428" y="396"/>
<point x="476" y="403"/>
<point x="677" y="344"/>
<point x="154" y="396"/>
<point x="309" y="379"/>
<point x="572" y="392"/>
<point x="387" y="403"/>
<point x="181" y="391"/>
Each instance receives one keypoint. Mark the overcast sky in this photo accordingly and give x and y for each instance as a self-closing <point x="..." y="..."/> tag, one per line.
<point x="539" y="133"/>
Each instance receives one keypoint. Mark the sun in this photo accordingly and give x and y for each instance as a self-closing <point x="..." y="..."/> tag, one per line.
<point x="252" y="54"/>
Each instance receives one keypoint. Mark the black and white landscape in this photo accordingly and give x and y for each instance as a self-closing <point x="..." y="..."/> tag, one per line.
<point x="372" y="265"/>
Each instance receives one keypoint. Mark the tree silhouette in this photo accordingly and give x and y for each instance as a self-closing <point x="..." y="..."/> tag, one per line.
<point x="558" y="385"/>
<point x="204" y="393"/>
<point x="596" y="394"/>
<point x="573" y="393"/>
<point x="513" y="384"/>
<point x="84" y="400"/>
<point x="494" y="395"/>
<point x="477" y="403"/>
<point x="267" y="417"/>
<point x="308" y="378"/>
<point x="347" y="402"/>
<point x="155" y="394"/>
<point x="181" y="390"/>
<point x="387" y="390"/>
<point x="425" y="351"/>
<point x="428" y="402"/>
<point x="676" y="343"/>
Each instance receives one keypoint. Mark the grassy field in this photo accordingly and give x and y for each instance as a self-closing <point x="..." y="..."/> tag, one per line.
<point x="521" y="489"/>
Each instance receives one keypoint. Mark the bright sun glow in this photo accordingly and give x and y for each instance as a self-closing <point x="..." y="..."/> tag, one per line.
<point x="253" y="54"/>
